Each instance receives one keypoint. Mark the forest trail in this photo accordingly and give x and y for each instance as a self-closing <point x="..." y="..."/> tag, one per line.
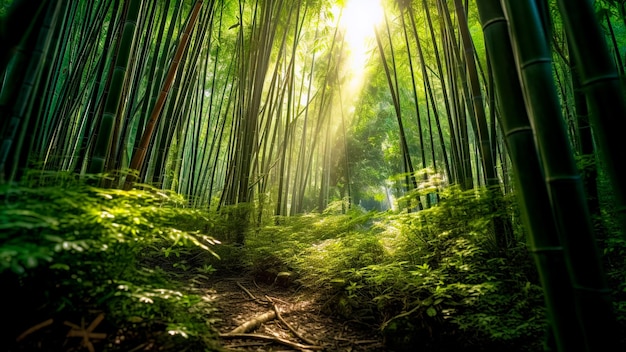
<point x="244" y="301"/>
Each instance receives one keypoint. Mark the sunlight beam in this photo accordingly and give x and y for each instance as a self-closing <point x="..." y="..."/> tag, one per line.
<point x="357" y="22"/>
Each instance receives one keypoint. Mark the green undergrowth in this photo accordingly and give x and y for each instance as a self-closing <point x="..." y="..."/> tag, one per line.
<point x="431" y="278"/>
<point x="71" y="252"/>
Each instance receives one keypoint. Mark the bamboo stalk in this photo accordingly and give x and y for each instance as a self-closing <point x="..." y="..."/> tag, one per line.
<point x="564" y="184"/>
<point x="140" y="154"/>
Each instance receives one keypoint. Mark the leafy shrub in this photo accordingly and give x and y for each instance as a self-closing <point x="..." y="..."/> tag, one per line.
<point x="72" y="249"/>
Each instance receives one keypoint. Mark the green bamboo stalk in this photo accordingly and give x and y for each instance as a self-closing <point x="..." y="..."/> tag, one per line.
<point x="501" y="223"/>
<point x="605" y="93"/>
<point x="140" y="154"/>
<point x="284" y="161"/>
<point x="108" y="119"/>
<point x="122" y="146"/>
<point x="414" y="91"/>
<point x="96" y="98"/>
<point x="586" y="145"/>
<point x="16" y="26"/>
<point x="531" y="190"/>
<point x="454" y="153"/>
<point x="393" y="90"/>
<point x="616" y="52"/>
<point x="460" y="97"/>
<point x="300" y="162"/>
<point x="565" y="189"/>
<point x="216" y="143"/>
<point x="15" y="52"/>
<point x="212" y="120"/>
<point x="27" y="157"/>
<point x="477" y="97"/>
<point x="168" y="131"/>
<point x="13" y="137"/>
<point x="430" y="102"/>
<point x="157" y="150"/>
<point x="185" y="107"/>
<point x="58" y="101"/>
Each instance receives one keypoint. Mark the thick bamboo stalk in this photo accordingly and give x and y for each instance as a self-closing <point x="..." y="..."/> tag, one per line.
<point x="565" y="189"/>
<point x="531" y="191"/>
<point x="605" y="92"/>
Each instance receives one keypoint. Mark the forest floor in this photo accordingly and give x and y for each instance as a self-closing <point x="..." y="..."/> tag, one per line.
<point x="302" y="324"/>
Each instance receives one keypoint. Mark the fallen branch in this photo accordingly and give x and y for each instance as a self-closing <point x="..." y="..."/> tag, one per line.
<point x="33" y="329"/>
<point x="272" y="339"/>
<point x="254" y="322"/>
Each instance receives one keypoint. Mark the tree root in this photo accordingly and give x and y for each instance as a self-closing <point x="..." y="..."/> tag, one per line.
<point x="291" y="328"/>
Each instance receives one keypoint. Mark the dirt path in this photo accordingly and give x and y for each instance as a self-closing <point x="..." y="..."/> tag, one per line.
<point x="240" y="300"/>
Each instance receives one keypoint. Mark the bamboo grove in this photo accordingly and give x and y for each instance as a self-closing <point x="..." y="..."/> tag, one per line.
<point x="250" y="103"/>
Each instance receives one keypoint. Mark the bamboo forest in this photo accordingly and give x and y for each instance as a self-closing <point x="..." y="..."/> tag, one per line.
<point x="312" y="175"/>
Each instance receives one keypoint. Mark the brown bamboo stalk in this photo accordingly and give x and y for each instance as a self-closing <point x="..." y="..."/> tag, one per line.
<point x="140" y="154"/>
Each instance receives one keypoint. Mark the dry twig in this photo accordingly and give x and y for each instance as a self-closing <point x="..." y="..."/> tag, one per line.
<point x="272" y="299"/>
<point x="33" y="329"/>
<point x="253" y="297"/>
<point x="246" y="291"/>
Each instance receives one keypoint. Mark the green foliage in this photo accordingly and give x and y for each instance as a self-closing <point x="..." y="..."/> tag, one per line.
<point x="76" y="248"/>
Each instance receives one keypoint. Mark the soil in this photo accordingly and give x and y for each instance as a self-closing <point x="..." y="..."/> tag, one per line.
<point x="240" y="300"/>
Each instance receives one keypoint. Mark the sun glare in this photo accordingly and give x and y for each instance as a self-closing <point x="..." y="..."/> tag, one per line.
<point x="358" y="19"/>
<point x="357" y="22"/>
